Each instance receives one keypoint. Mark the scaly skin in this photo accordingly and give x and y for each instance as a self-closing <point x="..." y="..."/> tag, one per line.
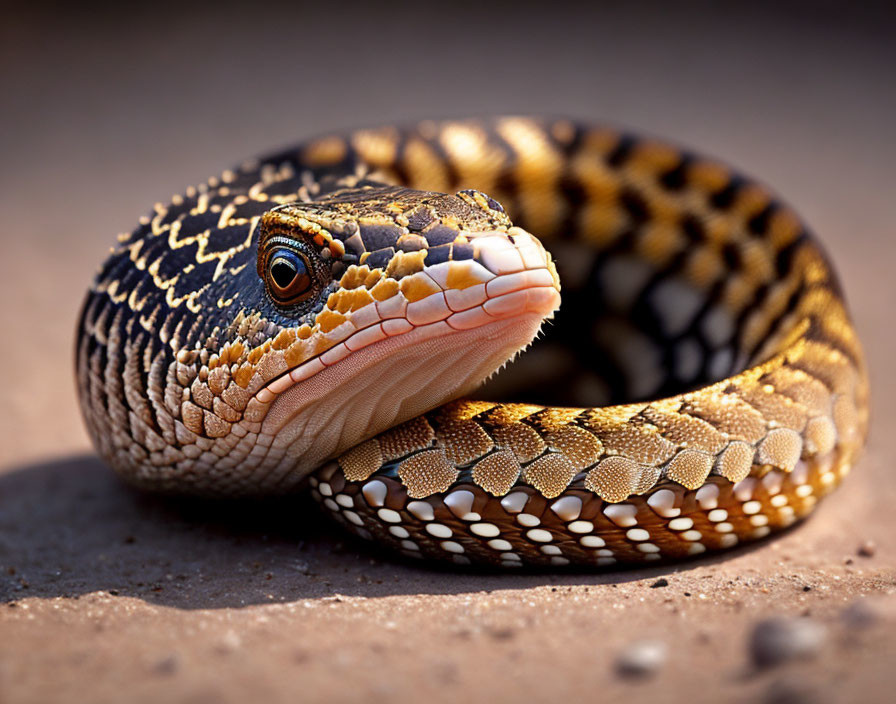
<point x="681" y="282"/>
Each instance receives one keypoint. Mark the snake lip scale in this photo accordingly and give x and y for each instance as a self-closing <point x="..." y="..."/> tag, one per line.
<point x="322" y="319"/>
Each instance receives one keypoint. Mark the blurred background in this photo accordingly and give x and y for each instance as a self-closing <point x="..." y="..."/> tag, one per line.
<point x="108" y="108"/>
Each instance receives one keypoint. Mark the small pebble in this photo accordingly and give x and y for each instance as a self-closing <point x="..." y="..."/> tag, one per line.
<point x="778" y="640"/>
<point x="860" y="615"/>
<point x="867" y="549"/>
<point x="167" y="665"/>
<point x="641" y="659"/>
<point x="661" y="582"/>
<point x="501" y="633"/>
<point x="230" y="642"/>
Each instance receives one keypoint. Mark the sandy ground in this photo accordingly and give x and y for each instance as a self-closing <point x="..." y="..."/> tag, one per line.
<point x="108" y="596"/>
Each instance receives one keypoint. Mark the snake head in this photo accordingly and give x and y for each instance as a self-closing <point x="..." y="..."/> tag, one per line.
<point x="379" y="304"/>
<point x="364" y="308"/>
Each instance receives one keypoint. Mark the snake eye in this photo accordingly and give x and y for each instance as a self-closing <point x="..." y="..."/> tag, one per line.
<point x="289" y="276"/>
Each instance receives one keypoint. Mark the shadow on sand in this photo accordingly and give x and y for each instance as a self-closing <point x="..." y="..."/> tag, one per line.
<point x="70" y="527"/>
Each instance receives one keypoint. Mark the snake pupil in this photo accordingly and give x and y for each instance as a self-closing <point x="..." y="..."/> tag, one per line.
<point x="290" y="277"/>
<point x="283" y="273"/>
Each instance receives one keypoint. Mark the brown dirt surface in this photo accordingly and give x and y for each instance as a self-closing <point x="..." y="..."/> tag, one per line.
<point x="107" y="595"/>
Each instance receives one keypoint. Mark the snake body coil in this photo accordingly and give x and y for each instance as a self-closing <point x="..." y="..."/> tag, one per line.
<point x="309" y="313"/>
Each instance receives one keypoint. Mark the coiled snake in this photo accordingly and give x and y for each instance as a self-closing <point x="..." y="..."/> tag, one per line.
<point x="306" y="315"/>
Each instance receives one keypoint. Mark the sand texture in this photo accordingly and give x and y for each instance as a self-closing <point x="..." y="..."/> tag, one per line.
<point x="107" y="595"/>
